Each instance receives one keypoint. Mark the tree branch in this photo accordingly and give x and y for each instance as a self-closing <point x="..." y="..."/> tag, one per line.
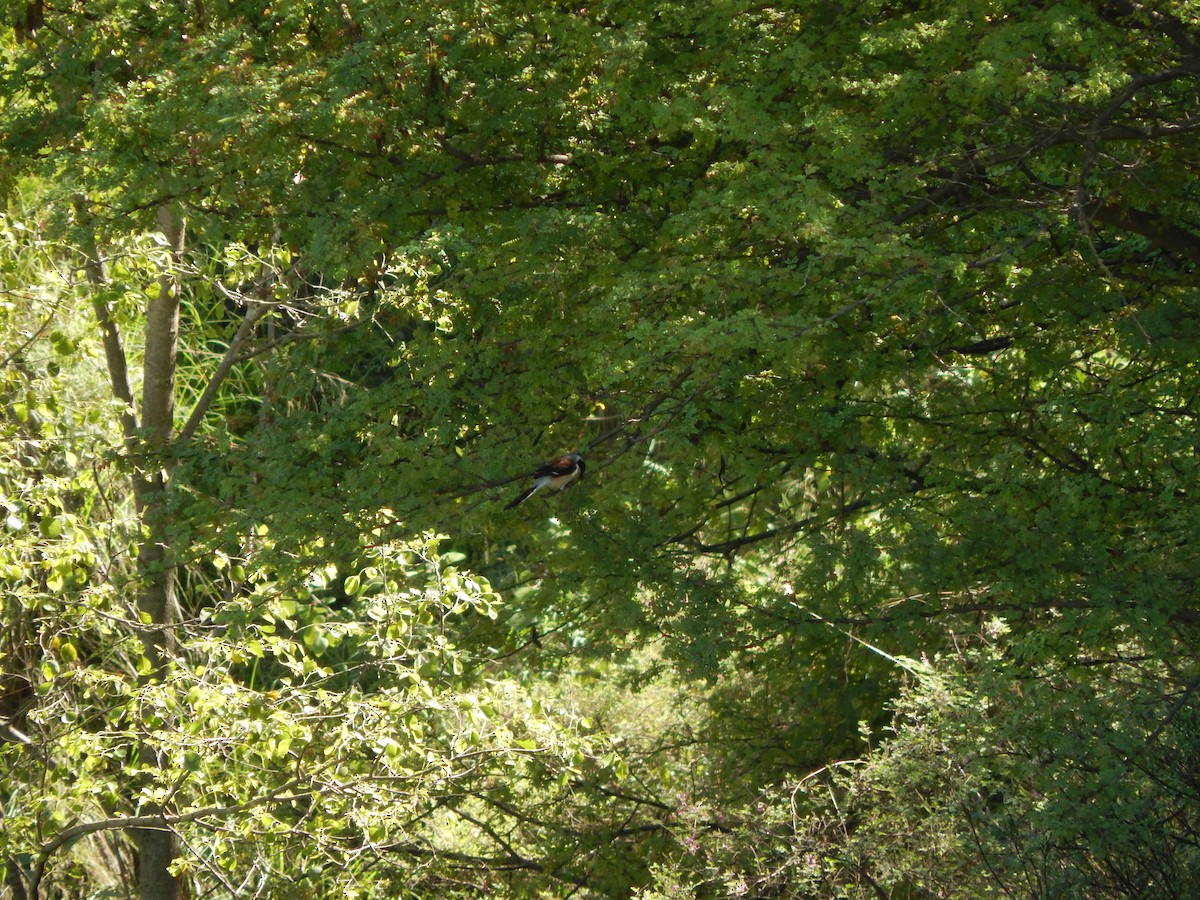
<point x="1171" y="26"/>
<point x="1159" y="232"/>
<point x="724" y="547"/>
<point x="110" y="335"/>
<point x="254" y="312"/>
<point x="161" y="821"/>
<point x="33" y="337"/>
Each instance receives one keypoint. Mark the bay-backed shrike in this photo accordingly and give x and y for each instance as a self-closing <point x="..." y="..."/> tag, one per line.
<point x="554" y="475"/>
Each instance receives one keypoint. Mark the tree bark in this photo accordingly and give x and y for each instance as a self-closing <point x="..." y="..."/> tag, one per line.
<point x="158" y="846"/>
<point x="157" y="600"/>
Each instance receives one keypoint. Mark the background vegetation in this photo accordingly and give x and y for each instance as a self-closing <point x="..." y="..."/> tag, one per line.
<point x="876" y="323"/>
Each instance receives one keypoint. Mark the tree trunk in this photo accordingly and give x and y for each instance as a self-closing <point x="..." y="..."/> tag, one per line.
<point x="157" y="847"/>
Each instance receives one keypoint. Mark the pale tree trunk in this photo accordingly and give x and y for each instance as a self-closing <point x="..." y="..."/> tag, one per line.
<point x="156" y="602"/>
<point x="150" y="440"/>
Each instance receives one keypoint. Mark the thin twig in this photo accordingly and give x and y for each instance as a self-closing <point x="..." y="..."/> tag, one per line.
<point x="33" y="337"/>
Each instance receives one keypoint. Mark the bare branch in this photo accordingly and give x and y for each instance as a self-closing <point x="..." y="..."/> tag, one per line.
<point x="254" y="312"/>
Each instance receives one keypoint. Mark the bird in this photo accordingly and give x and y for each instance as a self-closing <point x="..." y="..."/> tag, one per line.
<point x="554" y="475"/>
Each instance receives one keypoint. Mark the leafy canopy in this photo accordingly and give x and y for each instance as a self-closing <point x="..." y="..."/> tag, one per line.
<point x="875" y="324"/>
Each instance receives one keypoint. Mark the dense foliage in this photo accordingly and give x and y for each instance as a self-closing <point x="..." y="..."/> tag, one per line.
<point x="876" y="324"/>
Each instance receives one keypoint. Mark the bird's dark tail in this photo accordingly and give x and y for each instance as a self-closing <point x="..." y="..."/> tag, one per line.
<point x="521" y="498"/>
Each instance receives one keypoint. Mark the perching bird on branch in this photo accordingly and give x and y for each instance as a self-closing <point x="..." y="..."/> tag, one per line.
<point x="554" y="475"/>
